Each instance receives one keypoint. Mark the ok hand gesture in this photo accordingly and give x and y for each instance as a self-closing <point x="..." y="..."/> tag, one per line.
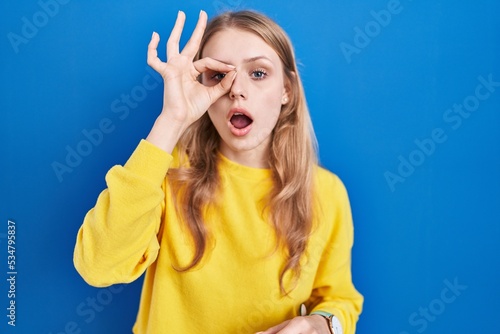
<point x="185" y="99"/>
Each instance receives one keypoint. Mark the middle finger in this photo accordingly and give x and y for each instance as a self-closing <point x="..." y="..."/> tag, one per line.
<point x="175" y="35"/>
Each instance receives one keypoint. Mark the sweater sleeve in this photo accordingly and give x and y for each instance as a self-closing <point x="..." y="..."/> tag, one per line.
<point x="333" y="290"/>
<point x="118" y="238"/>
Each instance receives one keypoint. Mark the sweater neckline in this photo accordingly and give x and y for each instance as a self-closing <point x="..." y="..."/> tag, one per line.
<point x="234" y="168"/>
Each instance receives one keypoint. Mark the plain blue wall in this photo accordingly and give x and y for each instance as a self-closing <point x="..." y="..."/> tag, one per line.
<point x="425" y="218"/>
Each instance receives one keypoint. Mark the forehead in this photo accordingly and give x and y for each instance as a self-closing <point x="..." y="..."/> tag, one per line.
<point x="233" y="45"/>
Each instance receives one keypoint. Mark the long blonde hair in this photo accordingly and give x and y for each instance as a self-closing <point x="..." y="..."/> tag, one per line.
<point x="292" y="156"/>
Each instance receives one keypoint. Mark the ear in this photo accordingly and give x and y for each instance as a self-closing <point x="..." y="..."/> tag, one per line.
<point x="284" y="99"/>
<point x="287" y="89"/>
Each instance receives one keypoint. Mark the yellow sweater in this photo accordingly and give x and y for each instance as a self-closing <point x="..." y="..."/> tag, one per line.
<point x="133" y="228"/>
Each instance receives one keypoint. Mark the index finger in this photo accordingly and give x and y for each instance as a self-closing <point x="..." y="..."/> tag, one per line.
<point x="153" y="59"/>
<point x="193" y="44"/>
<point x="205" y="64"/>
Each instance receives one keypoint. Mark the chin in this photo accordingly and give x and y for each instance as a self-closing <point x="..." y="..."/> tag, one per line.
<point x="242" y="144"/>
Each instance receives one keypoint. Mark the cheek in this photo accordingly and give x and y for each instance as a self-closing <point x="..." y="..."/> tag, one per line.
<point x="272" y="102"/>
<point x="217" y="112"/>
<point x="217" y="107"/>
<point x="274" y="93"/>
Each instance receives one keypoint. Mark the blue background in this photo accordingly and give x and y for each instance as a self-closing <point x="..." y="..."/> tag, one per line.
<point x="440" y="226"/>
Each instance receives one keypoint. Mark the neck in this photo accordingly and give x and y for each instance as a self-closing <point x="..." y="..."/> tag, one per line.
<point x="257" y="157"/>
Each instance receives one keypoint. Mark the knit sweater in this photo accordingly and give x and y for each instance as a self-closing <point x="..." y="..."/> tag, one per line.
<point x="134" y="228"/>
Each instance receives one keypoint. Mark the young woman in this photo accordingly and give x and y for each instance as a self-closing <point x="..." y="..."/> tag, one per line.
<point x="223" y="205"/>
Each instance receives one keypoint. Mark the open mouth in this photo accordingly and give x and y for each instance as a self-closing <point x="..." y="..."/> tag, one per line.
<point x="240" y="121"/>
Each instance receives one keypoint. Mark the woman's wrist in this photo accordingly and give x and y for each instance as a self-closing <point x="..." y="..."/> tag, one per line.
<point x="325" y="321"/>
<point x="334" y="324"/>
<point x="166" y="132"/>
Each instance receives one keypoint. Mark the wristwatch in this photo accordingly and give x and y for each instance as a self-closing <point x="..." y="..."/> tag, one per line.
<point x="333" y="321"/>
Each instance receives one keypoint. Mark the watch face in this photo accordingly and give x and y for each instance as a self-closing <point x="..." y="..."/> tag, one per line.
<point x="336" y="326"/>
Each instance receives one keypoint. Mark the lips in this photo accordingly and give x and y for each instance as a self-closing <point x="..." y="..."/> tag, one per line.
<point x="239" y="121"/>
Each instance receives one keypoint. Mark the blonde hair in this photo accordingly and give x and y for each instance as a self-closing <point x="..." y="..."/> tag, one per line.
<point x="292" y="156"/>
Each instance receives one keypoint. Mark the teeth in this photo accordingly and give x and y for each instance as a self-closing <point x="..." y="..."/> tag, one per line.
<point x="238" y="113"/>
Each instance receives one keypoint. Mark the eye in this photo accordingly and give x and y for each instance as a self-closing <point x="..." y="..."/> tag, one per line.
<point x="259" y="74"/>
<point x="218" y="76"/>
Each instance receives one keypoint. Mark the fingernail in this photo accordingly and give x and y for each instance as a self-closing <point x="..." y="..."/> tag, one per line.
<point x="303" y="310"/>
<point x="230" y="66"/>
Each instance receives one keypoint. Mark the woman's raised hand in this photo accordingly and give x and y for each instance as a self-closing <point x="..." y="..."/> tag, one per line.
<point x="185" y="98"/>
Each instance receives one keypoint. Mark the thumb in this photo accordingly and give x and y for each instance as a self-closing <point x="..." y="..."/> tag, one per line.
<point x="222" y="87"/>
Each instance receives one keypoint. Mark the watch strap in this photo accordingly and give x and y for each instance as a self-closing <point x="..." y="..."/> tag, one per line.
<point x="333" y="321"/>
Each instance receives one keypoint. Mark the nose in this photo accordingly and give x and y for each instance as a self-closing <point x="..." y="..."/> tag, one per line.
<point x="238" y="89"/>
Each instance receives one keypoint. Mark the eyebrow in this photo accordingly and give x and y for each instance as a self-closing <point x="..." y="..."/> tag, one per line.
<point x="248" y="60"/>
